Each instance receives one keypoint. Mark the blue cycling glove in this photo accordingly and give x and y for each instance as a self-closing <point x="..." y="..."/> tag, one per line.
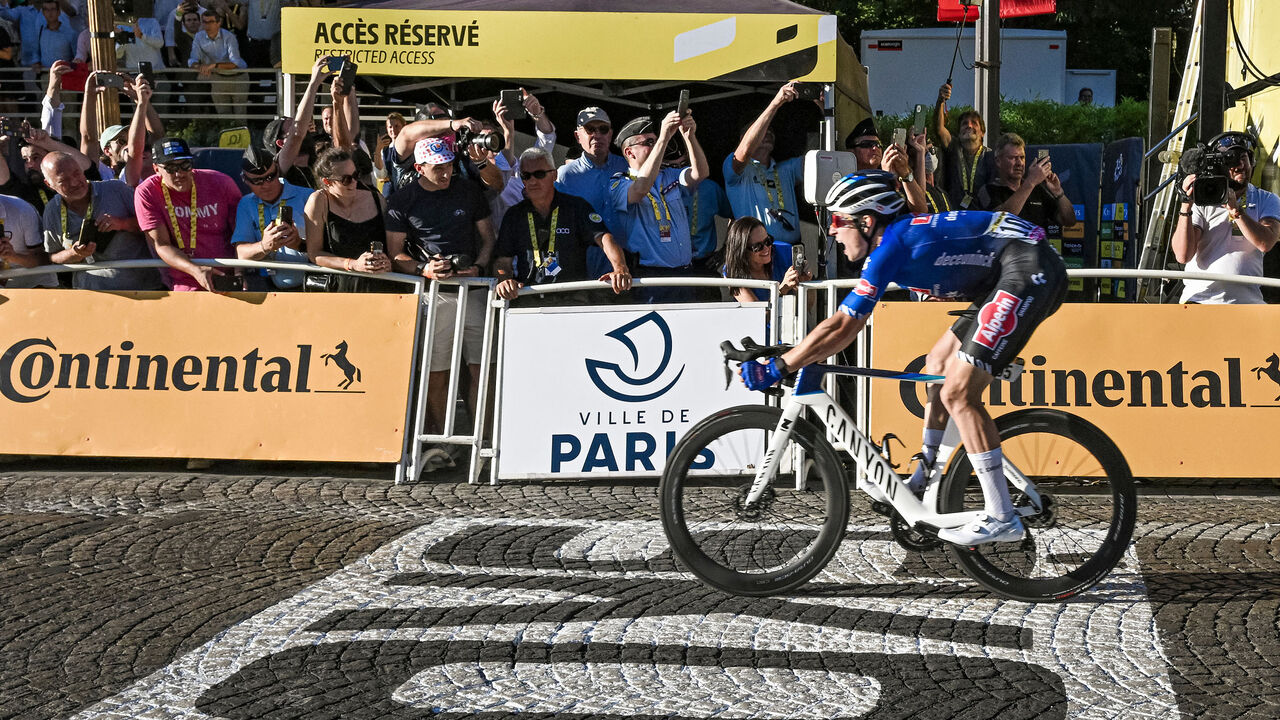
<point x="760" y="376"/>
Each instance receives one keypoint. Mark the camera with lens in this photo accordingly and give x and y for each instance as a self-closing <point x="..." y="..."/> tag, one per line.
<point x="457" y="262"/>
<point x="124" y="37"/>
<point x="1211" y="163"/>
<point x="493" y="142"/>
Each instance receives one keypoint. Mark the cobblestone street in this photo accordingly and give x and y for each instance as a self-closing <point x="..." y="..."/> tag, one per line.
<point x="131" y="590"/>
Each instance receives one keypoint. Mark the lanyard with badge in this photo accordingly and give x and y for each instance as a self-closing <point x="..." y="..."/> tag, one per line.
<point x="664" y="221"/>
<point x="549" y="268"/>
<point x="770" y="185"/>
<point x="966" y="179"/>
<point x="84" y="222"/>
<point x="173" y="216"/>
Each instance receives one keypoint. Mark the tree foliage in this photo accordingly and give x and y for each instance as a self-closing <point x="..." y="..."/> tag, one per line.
<point x="1043" y="122"/>
<point x="1101" y="34"/>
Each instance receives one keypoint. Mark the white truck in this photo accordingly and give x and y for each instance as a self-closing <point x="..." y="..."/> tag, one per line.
<point x="906" y="67"/>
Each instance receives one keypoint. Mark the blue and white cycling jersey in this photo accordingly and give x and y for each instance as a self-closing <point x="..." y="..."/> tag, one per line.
<point x="945" y="255"/>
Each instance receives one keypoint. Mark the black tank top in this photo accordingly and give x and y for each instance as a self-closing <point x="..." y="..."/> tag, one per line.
<point x="348" y="239"/>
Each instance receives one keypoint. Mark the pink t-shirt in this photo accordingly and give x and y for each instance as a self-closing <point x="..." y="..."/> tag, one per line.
<point x="217" y="196"/>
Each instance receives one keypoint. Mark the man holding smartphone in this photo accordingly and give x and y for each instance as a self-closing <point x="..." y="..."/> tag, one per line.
<point x="1032" y="191"/>
<point x="266" y="228"/>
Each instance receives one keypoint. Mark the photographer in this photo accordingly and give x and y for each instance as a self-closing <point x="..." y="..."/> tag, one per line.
<point x="139" y="42"/>
<point x="268" y="221"/>
<point x="440" y="228"/>
<point x="430" y="122"/>
<point x="1030" y="191"/>
<point x="1228" y="238"/>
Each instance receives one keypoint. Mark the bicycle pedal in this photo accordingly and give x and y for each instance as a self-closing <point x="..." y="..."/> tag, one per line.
<point x="882" y="508"/>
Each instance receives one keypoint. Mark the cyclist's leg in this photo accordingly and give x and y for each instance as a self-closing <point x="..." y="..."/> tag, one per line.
<point x="1031" y="287"/>
<point x="935" y="412"/>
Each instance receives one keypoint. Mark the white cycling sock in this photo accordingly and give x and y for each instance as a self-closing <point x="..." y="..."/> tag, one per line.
<point x="929" y="449"/>
<point x="989" y="466"/>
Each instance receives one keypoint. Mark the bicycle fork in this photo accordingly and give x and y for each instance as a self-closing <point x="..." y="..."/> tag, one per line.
<point x="773" y="455"/>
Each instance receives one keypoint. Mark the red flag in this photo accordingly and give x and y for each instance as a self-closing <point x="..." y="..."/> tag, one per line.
<point x="954" y="11"/>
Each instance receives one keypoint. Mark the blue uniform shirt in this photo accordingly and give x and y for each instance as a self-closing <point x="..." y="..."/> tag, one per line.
<point x="703" y="204"/>
<point x="661" y="207"/>
<point x="759" y="189"/>
<point x="946" y="255"/>
<point x="248" y="228"/>
<point x="582" y="177"/>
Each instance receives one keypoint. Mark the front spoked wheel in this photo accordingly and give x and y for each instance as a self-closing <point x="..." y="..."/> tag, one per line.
<point x="1088" y="513"/>
<point x="761" y="548"/>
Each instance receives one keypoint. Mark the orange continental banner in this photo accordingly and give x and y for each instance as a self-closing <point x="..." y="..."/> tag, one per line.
<point x="258" y="376"/>
<point x="1183" y="390"/>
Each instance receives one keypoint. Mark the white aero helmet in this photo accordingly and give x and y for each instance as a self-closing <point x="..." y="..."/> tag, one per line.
<point x="870" y="191"/>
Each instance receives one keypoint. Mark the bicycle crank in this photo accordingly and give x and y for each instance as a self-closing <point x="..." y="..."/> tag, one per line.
<point x="1048" y="515"/>
<point x="911" y="538"/>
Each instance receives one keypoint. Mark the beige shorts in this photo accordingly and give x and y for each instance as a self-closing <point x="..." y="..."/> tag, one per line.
<point x="472" y="329"/>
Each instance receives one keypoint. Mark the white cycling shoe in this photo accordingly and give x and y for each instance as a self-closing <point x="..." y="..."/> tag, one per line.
<point x="985" y="529"/>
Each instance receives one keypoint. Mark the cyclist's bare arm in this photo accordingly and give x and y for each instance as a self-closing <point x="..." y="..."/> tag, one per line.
<point x="831" y="336"/>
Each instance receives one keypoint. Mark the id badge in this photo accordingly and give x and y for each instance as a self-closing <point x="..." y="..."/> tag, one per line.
<point x="552" y="268"/>
<point x="966" y="201"/>
<point x="664" y="232"/>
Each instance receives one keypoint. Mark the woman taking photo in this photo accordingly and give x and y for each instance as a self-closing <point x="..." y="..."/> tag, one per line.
<point x="748" y="253"/>
<point x="345" y="229"/>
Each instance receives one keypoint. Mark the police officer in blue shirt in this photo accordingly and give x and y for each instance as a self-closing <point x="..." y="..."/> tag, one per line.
<point x="759" y="186"/>
<point x="588" y="177"/>
<point x="649" y="200"/>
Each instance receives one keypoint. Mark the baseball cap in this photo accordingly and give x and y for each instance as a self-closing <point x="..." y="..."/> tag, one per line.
<point x="110" y="134"/>
<point x="639" y="126"/>
<point x="432" y="151"/>
<point x="1234" y="139"/>
<point x="170" y="149"/>
<point x="592" y="113"/>
<point x="256" y="160"/>
<point x="862" y="129"/>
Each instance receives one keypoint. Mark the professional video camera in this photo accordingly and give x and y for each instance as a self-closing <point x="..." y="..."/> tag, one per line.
<point x="493" y="142"/>
<point x="1211" y="163"/>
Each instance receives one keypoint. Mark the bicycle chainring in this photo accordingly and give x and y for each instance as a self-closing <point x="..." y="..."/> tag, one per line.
<point x="910" y="538"/>
<point x="1048" y="515"/>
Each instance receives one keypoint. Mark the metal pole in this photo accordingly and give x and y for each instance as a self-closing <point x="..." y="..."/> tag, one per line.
<point x="102" y="53"/>
<point x="986" y="79"/>
<point x="1213" y="68"/>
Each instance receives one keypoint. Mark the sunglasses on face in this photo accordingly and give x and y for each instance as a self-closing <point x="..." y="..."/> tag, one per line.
<point x="180" y="166"/>
<point x="763" y="245"/>
<point x="839" y="221"/>
<point x="597" y="130"/>
<point x="867" y="145"/>
<point x="536" y="174"/>
<point x="269" y="177"/>
<point x="649" y="142"/>
<point x="346" y="179"/>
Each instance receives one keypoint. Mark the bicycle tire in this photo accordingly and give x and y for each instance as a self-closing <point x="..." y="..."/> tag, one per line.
<point x="1059" y="452"/>
<point x="795" y="534"/>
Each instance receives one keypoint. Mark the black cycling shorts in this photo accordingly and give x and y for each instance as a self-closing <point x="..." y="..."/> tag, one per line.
<point x="1032" y="284"/>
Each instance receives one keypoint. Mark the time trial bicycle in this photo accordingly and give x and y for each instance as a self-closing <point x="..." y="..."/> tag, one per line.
<point x="755" y="499"/>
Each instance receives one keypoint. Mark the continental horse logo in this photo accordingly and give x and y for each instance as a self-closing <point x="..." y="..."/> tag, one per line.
<point x="348" y="369"/>
<point x="1271" y="370"/>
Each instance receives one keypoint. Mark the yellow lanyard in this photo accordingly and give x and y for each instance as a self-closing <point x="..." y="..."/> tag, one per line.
<point x="551" y="244"/>
<point x="777" y="182"/>
<point x="966" y="180"/>
<point x="44" y="197"/>
<point x="262" y="220"/>
<point x="667" y="208"/>
<point x="88" y="217"/>
<point x="693" y="221"/>
<point x="933" y="206"/>
<point x="173" y="215"/>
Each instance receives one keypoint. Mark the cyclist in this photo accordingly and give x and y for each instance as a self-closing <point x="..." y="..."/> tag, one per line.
<point x="999" y="260"/>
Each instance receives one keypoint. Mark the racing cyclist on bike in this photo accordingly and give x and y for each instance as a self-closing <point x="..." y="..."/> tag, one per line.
<point x="1000" y="261"/>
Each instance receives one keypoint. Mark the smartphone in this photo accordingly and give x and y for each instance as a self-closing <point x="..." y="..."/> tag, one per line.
<point x="808" y="91"/>
<point x="335" y="63"/>
<point x="513" y="101"/>
<point x="921" y="117"/>
<point x="286" y="215"/>
<point x="376" y="247"/>
<point x="683" y="106"/>
<point x="111" y="80"/>
<point x="900" y="137"/>
<point x="1042" y="154"/>
<point x="798" y="260"/>
<point x="8" y="126"/>
<point x="145" y="70"/>
<point x="348" y="75"/>
<point x="226" y="283"/>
